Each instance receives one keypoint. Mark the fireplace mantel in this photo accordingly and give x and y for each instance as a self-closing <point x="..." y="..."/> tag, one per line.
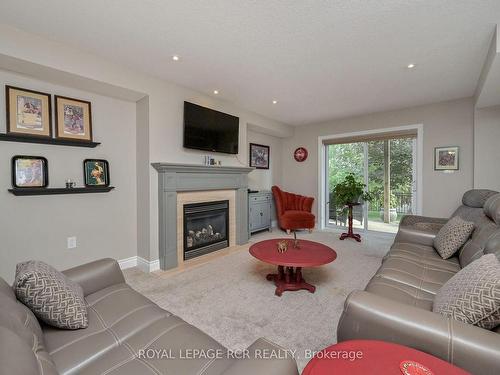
<point x="194" y="168"/>
<point x="174" y="178"/>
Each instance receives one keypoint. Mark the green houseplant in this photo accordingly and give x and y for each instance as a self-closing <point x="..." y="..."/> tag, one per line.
<point x="351" y="190"/>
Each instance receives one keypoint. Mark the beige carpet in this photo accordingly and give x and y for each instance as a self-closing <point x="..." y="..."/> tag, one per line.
<point x="230" y="299"/>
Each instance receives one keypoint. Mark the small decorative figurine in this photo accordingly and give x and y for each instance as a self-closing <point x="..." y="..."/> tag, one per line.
<point x="282" y="246"/>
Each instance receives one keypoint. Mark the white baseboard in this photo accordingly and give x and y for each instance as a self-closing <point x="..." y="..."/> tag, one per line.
<point x="128" y="263"/>
<point x="143" y="264"/>
<point x="148" y="266"/>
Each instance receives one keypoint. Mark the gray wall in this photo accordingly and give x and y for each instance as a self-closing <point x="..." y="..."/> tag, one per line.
<point x="486" y="148"/>
<point x="445" y="124"/>
<point x="105" y="224"/>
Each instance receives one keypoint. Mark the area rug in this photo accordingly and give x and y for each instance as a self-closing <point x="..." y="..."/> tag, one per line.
<point x="230" y="299"/>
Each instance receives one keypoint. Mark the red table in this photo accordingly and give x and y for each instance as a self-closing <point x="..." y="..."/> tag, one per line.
<point x="377" y="357"/>
<point x="291" y="262"/>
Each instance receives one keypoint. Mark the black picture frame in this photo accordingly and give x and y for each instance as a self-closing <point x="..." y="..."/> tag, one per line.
<point x="44" y="172"/>
<point x="255" y="148"/>
<point x="86" y="172"/>
<point x="11" y="112"/>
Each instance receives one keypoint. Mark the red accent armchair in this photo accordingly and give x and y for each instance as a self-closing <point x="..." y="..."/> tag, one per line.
<point x="293" y="210"/>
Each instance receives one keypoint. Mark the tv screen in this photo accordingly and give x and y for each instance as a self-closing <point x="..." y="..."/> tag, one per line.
<point x="209" y="130"/>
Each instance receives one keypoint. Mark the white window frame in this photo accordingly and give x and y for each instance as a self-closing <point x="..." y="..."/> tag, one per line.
<point x="322" y="160"/>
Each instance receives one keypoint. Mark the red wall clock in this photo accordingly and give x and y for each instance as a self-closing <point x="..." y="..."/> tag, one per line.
<point x="300" y="154"/>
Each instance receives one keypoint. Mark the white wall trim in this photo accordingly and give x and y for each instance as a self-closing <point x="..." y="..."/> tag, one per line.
<point x="143" y="264"/>
<point x="128" y="263"/>
<point x="322" y="163"/>
<point x="148" y="266"/>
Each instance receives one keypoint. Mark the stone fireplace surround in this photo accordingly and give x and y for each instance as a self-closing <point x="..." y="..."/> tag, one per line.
<point x="179" y="184"/>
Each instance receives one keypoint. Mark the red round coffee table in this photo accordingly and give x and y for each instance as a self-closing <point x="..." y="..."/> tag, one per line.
<point x="375" y="357"/>
<point x="291" y="262"/>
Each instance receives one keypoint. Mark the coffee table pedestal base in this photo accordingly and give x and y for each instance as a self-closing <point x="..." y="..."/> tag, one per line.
<point x="289" y="279"/>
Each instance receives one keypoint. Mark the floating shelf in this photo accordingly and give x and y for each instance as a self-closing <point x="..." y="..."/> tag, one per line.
<point x="51" y="191"/>
<point x="47" y="141"/>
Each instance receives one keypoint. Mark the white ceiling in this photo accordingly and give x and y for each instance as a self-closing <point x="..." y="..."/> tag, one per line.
<point x="319" y="59"/>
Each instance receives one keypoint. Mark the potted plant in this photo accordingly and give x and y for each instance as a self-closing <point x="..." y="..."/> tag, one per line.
<point x="351" y="190"/>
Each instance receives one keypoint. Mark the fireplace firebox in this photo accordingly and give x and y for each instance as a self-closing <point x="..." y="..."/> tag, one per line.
<point x="206" y="228"/>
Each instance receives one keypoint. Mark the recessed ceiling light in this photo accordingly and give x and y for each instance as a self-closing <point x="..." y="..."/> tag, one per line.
<point x="411" y="66"/>
<point x="275" y="102"/>
<point x="175" y="57"/>
<point x="216" y="92"/>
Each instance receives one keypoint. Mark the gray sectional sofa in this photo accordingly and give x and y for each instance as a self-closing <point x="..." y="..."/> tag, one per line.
<point x="127" y="334"/>
<point x="397" y="303"/>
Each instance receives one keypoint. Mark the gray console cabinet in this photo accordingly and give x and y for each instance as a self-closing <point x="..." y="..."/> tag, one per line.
<point x="259" y="211"/>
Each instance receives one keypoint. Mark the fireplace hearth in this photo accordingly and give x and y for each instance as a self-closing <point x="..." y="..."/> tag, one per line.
<point x="206" y="228"/>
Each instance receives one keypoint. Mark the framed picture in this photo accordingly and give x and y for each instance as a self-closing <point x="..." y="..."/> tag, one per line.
<point x="96" y="172"/>
<point x="73" y="119"/>
<point x="29" y="172"/>
<point x="259" y="156"/>
<point x="446" y="158"/>
<point x="28" y="112"/>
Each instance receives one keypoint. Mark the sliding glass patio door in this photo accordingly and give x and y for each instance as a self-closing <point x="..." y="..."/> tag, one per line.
<point x="387" y="167"/>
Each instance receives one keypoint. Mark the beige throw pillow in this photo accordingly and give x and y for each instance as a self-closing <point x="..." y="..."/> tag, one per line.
<point x="452" y="236"/>
<point x="53" y="298"/>
<point x="472" y="295"/>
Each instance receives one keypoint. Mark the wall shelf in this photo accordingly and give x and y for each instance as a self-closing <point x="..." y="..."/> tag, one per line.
<point x="47" y="141"/>
<point x="52" y="191"/>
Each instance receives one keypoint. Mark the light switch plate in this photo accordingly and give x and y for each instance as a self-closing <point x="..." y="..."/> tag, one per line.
<point x="71" y="242"/>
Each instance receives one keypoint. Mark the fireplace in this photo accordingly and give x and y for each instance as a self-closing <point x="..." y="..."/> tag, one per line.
<point x="206" y="228"/>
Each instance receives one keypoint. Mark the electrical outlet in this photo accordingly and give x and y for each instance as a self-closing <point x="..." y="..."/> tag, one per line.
<point x="71" y="242"/>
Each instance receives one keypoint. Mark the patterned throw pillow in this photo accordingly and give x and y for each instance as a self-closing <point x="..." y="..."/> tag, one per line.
<point x="51" y="296"/>
<point x="452" y="236"/>
<point x="472" y="295"/>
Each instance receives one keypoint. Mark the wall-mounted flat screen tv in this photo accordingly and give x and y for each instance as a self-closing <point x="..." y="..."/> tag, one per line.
<point x="209" y="130"/>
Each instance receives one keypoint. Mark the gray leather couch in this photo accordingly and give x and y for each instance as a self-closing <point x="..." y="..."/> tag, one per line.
<point x="397" y="303"/>
<point x="127" y="334"/>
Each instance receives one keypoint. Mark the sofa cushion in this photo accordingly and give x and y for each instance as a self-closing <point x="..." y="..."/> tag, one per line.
<point x="452" y="236"/>
<point x="474" y="248"/>
<point x="18" y="357"/>
<point x="473" y="294"/>
<point x="477" y="197"/>
<point x="492" y="208"/>
<point x="118" y="318"/>
<point x="51" y="296"/>
<point x="402" y="293"/>
<point x="22" y="349"/>
<point x="415" y="274"/>
<point x="424" y="255"/>
<point x="161" y="347"/>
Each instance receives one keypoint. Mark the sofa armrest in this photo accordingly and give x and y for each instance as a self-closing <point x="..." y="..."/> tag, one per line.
<point x="409" y="220"/>
<point x="415" y="235"/>
<point x="96" y="275"/>
<point x="262" y="360"/>
<point x="369" y="316"/>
